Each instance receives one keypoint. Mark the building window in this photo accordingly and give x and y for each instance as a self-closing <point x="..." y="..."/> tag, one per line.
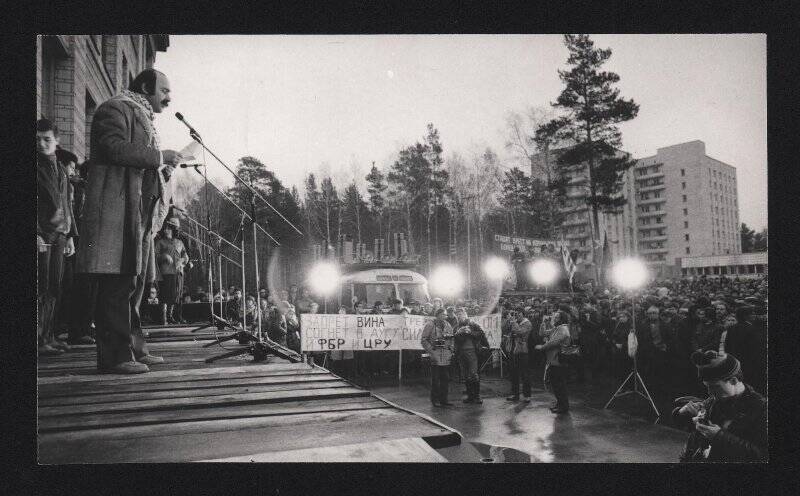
<point x="686" y="237"/>
<point x="686" y="224"/>
<point x="683" y="172"/>
<point x="684" y="197"/>
<point x="52" y="54"/>
<point x="685" y="211"/>
<point x="683" y="184"/>
<point x="89" y="107"/>
<point x="687" y="250"/>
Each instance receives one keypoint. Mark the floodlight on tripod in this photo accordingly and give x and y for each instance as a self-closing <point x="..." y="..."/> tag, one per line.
<point x="631" y="274"/>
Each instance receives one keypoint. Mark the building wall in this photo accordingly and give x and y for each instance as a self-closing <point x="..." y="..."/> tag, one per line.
<point x="677" y="193"/>
<point x="622" y="234"/>
<point x="741" y="265"/>
<point x="696" y="193"/>
<point x="76" y="73"/>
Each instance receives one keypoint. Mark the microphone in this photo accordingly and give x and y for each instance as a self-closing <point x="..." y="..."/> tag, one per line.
<point x="186" y="123"/>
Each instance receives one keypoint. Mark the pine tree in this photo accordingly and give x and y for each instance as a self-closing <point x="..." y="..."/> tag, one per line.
<point x="376" y="188"/>
<point x="436" y="188"/>
<point x="592" y="108"/>
<point x="409" y="180"/>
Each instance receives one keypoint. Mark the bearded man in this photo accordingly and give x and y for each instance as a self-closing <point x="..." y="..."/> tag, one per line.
<point x="125" y="200"/>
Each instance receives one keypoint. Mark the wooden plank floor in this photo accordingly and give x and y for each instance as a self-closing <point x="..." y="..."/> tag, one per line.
<point x="231" y="410"/>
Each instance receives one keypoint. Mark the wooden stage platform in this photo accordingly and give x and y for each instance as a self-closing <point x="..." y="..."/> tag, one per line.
<point x="231" y="410"/>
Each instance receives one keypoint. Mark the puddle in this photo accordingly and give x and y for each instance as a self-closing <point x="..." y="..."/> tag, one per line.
<point x="500" y="454"/>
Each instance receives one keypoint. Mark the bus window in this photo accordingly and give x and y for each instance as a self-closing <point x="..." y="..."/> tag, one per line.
<point x="368" y="294"/>
<point x="413" y="292"/>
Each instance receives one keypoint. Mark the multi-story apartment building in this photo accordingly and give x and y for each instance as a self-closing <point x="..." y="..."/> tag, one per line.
<point x="680" y="203"/>
<point x="686" y="206"/>
<point x="76" y="73"/>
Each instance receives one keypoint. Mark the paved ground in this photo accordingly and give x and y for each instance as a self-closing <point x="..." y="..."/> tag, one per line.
<point x="518" y="432"/>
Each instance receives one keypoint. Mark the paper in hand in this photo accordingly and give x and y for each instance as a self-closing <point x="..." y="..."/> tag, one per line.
<point x="190" y="151"/>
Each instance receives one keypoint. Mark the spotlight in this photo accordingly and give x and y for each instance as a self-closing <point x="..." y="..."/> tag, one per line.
<point x="629" y="273"/>
<point x="447" y="280"/>
<point x="324" y="278"/>
<point x="543" y="271"/>
<point x="496" y="268"/>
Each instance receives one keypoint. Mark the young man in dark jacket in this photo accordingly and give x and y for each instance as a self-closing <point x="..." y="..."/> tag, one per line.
<point x="469" y="340"/>
<point x="55" y="232"/>
<point x="731" y="424"/>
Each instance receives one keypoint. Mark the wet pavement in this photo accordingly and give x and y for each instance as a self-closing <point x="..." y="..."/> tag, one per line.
<point x="499" y="431"/>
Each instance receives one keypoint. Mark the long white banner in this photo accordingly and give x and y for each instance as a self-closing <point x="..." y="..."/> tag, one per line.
<point x="322" y="332"/>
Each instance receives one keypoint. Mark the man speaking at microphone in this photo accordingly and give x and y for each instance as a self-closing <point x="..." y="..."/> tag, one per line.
<point x="124" y="204"/>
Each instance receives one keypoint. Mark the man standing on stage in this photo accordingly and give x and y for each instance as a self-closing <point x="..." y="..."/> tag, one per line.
<point x="126" y="178"/>
<point x="55" y="231"/>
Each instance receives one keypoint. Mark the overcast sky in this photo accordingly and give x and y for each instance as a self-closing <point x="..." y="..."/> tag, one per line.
<point x="296" y="102"/>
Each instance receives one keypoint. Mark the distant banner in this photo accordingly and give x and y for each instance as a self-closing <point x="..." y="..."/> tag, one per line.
<point x="322" y="332"/>
<point x="508" y="243"/>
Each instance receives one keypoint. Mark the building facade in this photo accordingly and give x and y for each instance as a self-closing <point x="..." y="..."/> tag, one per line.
<point x="743" y="265"/>
<point x="686" y="206"/>
<point x="76" y="73"/>
<point x="680" y="203"/>
<point x="614" y="228"/>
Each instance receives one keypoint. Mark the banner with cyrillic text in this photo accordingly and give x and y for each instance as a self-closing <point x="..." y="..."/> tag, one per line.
<point x="323" y="332"/>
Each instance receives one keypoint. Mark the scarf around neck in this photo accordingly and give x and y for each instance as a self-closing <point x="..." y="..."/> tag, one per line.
<point x="144" y="106"/>
<point x="161" y="210"/>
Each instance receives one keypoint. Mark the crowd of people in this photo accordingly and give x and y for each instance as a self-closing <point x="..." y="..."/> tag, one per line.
<point x="105" y="244"/>
<point x="672" y="318"/>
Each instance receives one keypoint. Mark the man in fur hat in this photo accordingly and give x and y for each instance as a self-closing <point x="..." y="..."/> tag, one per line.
<point x="731" y="424"/>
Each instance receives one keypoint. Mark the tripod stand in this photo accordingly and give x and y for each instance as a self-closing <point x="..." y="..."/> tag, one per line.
<point x="634" y="377"/>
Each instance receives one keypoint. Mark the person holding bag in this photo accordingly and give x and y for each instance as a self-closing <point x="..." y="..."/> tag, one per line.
<point x="557" y="338"/>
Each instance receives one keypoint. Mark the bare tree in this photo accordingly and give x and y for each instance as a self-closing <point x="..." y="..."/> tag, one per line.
<point x="533" y="148"/>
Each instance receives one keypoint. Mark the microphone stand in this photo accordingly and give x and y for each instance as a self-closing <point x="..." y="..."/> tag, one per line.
<point x="259" y="347"/>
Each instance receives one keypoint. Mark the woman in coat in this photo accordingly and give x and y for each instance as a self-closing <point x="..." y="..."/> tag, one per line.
<point x="171" y="257"/>
<point x="556" y="337"/>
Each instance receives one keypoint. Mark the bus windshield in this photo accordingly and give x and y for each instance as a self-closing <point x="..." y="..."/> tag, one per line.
<point x="368" y="294"/>
<point x="409" y="292"/>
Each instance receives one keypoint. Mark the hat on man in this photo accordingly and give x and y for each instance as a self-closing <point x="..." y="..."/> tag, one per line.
<point x="712" y="366"/>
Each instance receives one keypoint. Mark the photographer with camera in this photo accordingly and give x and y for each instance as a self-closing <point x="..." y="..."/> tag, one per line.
<point x="731" y="424"/>
<point x="437" y="341"/>
<point x="470" y="340"/>
<point x="520" y="333"/>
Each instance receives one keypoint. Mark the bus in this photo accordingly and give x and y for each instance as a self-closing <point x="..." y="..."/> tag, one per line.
<point x="371" y="282"/>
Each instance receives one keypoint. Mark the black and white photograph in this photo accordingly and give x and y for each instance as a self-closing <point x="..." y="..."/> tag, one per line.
<point x="401" y="248"/>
